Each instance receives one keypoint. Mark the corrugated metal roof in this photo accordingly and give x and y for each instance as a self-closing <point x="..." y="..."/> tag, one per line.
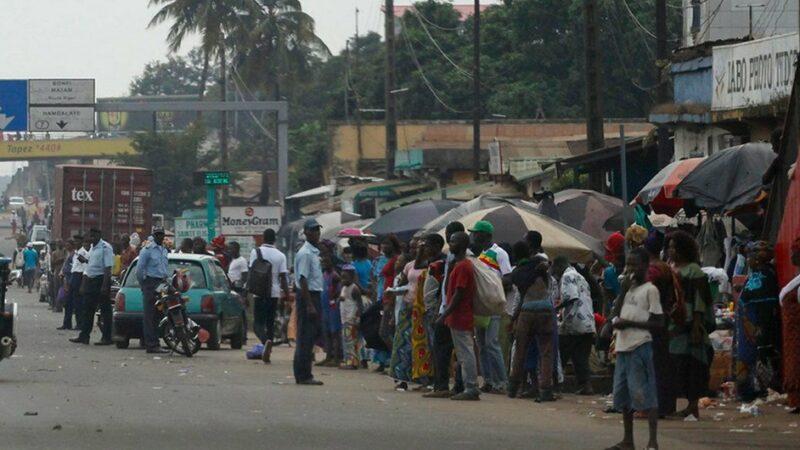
<point x="692" y="65"/>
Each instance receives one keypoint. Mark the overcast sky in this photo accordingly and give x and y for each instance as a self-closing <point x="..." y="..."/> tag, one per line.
<point x="108" y="40"/>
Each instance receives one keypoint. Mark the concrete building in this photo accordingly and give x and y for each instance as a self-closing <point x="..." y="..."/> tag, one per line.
<point x="730" y="87"/>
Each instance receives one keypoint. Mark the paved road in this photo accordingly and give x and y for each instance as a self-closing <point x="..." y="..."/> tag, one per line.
<point x="55" y="394"/>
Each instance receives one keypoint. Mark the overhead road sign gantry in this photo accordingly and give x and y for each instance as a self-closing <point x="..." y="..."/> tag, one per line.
<point x="78" y="92"/>
<point x="13" y="105"/>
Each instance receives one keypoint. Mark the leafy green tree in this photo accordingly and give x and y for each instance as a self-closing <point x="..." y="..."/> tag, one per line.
<point x="310" y="143"/>
<point x="173" y="158"/>
<point x="177" y="75"/>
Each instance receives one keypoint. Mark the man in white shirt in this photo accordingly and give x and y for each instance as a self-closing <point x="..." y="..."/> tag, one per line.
<point x="72" y="285"/>
<point x="264" y="308"/>
<point x="238" y="268"/>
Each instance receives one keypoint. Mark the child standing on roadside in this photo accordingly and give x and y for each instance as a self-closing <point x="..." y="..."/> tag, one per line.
<point x="350" y="308"/>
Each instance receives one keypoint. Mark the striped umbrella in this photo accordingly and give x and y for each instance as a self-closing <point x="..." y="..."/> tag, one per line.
<point x="659" y="192"/>
<point x="512" y="222"/>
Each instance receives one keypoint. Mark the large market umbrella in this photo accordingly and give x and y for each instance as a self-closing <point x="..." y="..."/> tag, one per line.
<point x="477" y="204"/>
<point x="659" y="192"/>
<point x="587" y="211"/>
<point x="512" y="222"/>
<point x="728" y="179"/>
<point x="407" y="220"/>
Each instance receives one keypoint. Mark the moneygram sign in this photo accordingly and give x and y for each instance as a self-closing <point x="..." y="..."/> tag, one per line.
<point x="249" y="220"/>
<point x="754" y="73"/>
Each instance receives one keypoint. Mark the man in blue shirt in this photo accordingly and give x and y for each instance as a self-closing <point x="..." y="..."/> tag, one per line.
<point x="308" y="284"/>
<point x="31" y="257"/>
<point x="96" y="289"/>
<point x="151" y="270"/>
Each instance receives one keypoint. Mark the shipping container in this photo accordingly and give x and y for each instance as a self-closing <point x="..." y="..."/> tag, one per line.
<point x="117" y="200"/>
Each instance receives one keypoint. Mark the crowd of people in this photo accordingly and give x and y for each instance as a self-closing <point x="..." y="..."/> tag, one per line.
<point x="511" y="319"/>
<point x="648" y="309"/>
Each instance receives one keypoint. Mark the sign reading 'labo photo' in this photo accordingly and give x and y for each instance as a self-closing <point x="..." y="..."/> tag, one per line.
<point x="754" y="73"/>
<point x="249" y="220"/>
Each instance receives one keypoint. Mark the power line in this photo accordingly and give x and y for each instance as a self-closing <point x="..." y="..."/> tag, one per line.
<point x="765" y="17"/>
<point x="460" y="70"/>
<point x="617" y="48"/>
<point x="647" y="47"/>
<point x="779" y="15"/>
<point x="422" y="72"/>
<point x="636" y="21"/>
<point x="439" y="27"/>
<point x="252" y="115"/>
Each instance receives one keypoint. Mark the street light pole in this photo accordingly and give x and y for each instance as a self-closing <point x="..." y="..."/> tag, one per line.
<point x="391" y="118"/>
<point x="476" y="87"/>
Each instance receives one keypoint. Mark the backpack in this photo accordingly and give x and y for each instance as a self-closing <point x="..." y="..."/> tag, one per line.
<point x="19" y="260"/>
<point x="259" y="277"/>
<point x="490" y="297"/>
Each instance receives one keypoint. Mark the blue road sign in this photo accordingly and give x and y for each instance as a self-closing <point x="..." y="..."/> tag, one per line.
<point x="13" y="105"/>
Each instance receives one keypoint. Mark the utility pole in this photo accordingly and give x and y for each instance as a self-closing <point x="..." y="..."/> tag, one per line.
<point x="476" y="91"/>
<point x="347" y="82"/>
<point x="662" y="92"/>
<point x="594" y="114"/>
<point x="389" y="88"/>
<point x="358" y="99"/>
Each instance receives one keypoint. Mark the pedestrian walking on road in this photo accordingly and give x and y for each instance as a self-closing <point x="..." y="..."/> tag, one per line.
<point x="266" y="304"/>
<point x="14" y="223"/>
<point x="634" y="373"/>
<point x="309" y="284"/>
<point x="96" y="289"/>
<point x="461" y="289"/>
<point x="151" y="270"/>
<point x="70" y="307"/>
<point x="31" y="258"/>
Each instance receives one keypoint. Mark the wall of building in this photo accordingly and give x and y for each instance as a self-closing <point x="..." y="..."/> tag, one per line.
<point x="693" y="141"/>
<point x="458" y="135"/>
<point x="692" y="81"/>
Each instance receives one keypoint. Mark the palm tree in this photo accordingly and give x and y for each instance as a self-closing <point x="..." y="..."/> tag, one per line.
<point x="214" y="21"/>
<point x="280" y="43"/>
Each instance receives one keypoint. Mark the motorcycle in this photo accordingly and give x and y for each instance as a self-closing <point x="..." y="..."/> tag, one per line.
<point x="8" y="314"/>
<point x="179" y="331"/>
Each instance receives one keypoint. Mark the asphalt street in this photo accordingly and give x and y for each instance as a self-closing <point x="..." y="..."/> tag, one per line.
<point x="55" y="394"/>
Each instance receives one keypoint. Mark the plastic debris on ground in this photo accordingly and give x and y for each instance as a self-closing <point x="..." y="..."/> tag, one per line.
<point x="706" y="402"/>
<point x="751" y="409"/>
<point x="774" y="397"/>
